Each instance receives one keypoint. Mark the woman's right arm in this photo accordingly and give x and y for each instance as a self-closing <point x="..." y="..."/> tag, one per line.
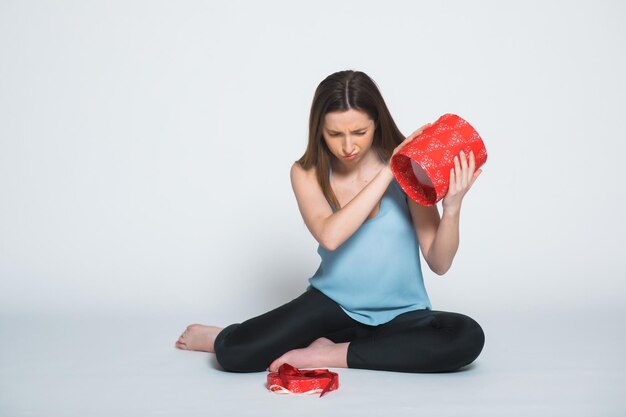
<point x="332" y="229"/>
<point x="328" y="228"/>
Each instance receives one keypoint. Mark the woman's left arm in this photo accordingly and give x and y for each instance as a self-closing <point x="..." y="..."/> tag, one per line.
<point x="439" y="237"/>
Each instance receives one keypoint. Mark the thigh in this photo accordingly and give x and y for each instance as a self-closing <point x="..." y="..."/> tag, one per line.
<point x="296" y="323"/>
<point x="419" y="341"/>
<point x="255" y="343"/>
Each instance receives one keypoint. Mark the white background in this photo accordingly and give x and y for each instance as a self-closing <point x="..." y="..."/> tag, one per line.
<point x="145" y="149"/>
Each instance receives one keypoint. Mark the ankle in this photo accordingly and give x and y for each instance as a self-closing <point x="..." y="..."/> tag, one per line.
<point x="338" y="355"/>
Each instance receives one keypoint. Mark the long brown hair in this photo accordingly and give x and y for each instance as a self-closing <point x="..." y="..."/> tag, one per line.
<point x="342" y="91"/>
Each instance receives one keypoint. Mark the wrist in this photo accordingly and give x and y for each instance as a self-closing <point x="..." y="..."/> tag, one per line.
<point x="452" y="212"/>
<point x="387" y="172"/>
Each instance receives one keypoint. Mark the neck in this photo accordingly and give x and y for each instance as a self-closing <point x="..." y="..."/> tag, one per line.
<point x="361" y="170"/>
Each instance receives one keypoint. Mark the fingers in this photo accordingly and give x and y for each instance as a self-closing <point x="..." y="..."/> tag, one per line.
<point x="418" y="131"/>
<point x="412" y="135"/>
<point x="421" y="129"/>
<point x="464" y="170"/>
<point x="452" y="186"/>
<point x="472" y="167"/>
<point x="458" y="174"/>
<point x="409" y="138"/>
<point x="473" y="174"/>
<point x="462" y="176"/>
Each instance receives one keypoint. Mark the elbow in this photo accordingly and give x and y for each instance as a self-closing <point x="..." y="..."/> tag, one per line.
<point x="328" y="241"/>
<point x="436" y="265"/>
<point x="439" y="270"/>
<point x="328" y="245"/>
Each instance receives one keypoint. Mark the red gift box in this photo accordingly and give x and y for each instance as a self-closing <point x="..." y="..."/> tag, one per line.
<point x="290" y="380"/>
<point x="422" y="166"/>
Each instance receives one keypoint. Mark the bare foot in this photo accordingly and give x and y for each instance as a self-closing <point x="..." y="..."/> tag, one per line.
<point x="322" y="352"/>
<point x="198" y="337"/>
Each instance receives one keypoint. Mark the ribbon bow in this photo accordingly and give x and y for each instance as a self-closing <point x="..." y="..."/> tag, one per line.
<point x="291" y="379"/>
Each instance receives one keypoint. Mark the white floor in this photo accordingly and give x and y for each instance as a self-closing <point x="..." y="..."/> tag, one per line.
<point x="535" y="364"/>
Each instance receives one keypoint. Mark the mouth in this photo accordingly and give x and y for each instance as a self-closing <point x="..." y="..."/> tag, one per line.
<point x="350" y="156"/>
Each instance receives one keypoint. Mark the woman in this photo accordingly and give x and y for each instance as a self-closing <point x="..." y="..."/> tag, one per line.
<point x="366" y="306"/>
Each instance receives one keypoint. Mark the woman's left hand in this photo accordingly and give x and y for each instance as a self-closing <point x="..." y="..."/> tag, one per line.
<point x="462" y="176"/>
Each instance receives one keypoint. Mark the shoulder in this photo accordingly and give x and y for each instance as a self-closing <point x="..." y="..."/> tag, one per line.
<point x="298" y="169"/>
<point x="303" y="181"/>
<point x="299" y="174"/>
<point x="311" y="201"/>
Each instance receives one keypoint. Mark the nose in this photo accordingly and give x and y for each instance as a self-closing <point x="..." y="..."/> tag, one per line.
<point x="348" y="148"/>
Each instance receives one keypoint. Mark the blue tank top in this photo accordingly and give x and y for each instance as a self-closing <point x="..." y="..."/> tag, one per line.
<point x="376" y="274"/>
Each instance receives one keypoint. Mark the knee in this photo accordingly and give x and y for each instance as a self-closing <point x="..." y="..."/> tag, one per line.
<point x="237" y="356"/>
<point x="473" y="340"/>
<point x="464" y="340"/>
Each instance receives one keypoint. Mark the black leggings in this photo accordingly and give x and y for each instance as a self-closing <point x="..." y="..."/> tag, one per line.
<point x="416" y="341"/>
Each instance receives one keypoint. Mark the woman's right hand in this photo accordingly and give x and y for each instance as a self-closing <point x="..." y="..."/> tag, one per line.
<point x="410" y="138"/>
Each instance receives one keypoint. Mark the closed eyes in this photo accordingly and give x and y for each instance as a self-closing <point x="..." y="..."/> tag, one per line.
<point x="338" y="134"/>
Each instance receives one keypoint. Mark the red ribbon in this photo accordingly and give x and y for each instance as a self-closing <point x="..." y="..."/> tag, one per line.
<point x="299" y="381"/>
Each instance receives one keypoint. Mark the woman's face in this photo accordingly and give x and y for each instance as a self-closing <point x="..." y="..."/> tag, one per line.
<point x="348" y="133"/>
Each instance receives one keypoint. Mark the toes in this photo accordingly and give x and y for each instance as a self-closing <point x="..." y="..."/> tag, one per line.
<point x="277" y="362"/>
<point x="274" y="366"/>
<point x="180" y="345"/>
